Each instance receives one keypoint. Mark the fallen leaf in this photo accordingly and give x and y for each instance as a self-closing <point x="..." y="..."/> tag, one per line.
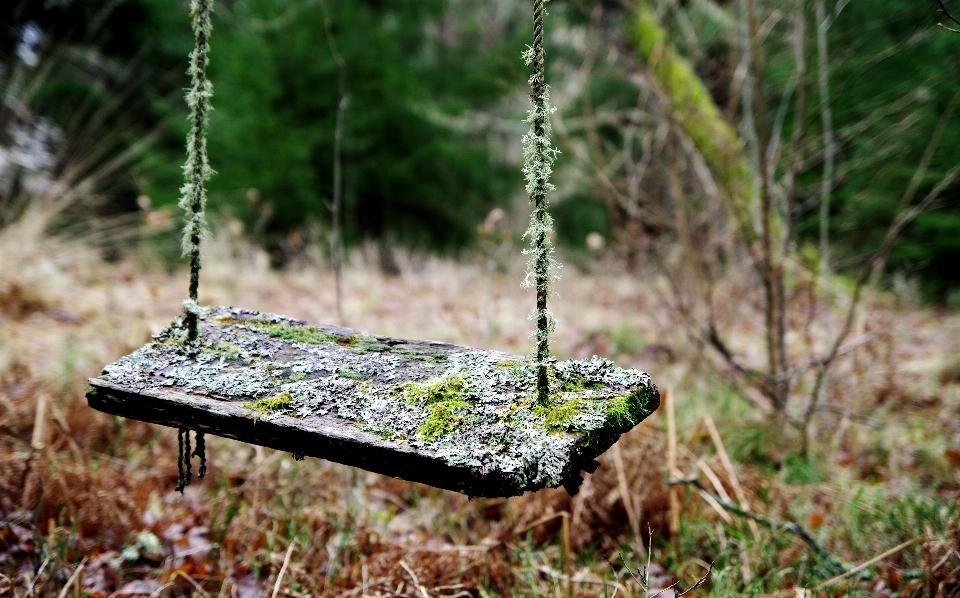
<point x="953" y="456"/>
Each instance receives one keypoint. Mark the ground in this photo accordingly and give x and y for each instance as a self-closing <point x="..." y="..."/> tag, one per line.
<point x="80" y="488"/>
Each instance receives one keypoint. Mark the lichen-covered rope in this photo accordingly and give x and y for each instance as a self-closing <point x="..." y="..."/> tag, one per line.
<point x="196" y="170"/>
<point x="201" y="451"/>
<point x="539" y="155"/>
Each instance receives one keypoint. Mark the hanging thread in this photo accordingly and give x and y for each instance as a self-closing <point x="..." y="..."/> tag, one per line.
<point x="181" y="478"/>
<point x="201" y="451"/>
<point x="188" y="470"/>
<point x="539" y="155"/>
<point x="196" y="169"/>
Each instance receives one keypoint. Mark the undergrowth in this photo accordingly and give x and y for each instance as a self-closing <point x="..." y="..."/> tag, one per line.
<point x="101" y="488"/>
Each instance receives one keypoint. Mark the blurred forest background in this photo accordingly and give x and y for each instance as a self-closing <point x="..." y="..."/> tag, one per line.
<point x="758" y="202"/>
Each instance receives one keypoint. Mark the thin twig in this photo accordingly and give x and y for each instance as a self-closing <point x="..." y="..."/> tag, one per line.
<point x="879" y="257"/>
<point x="943" y="9"/>
<point x="691" y="588"/>
<point x="871" y="562"/>
<point x="625" y="496"/>
<point x="731" y="473"/>
<point x="73" y="578"/>
<point x="192" y="581"/>
<point x="873" y="422"/>
<point x="570" y="578"/>
<point x="644" y="581"/>
<point x="789" y="526"/>
<point x="336" y="236"/>
<point x="416" y="581"/>
<point x="539" y="522"/>
<point x="283" y="568"/>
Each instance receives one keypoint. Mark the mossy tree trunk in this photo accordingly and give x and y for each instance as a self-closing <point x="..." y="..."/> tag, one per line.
<point x="742" y="188"/>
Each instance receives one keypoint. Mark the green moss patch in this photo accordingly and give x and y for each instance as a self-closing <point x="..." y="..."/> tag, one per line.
<point x="310" y="335"/>
<point x="560" y="417"/>
<point x="348" y="373"/>
<point x="445" y="417"/>
<point x="269" y="405"/>
<point x="445" y="398"/>
<point x="346" y="341"/>
<point x="224" y="349"/>
<point x="626" y="410"/>
<point x="435" y="390"/>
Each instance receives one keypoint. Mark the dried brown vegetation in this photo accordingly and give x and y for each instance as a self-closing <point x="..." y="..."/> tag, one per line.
<point x="78" y="487"/>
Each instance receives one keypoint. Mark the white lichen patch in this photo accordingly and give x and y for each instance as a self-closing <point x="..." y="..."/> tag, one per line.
<point x="473" y="409"/>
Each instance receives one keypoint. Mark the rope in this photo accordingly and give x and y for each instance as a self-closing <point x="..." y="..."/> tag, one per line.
<point x="188" y="474"/>
<point x="196" y="169"/>
<point x="201" y="451"/>
<point x="184" y="463"/>
<point x="539" y="155"/>
<point x="181" y="478"/>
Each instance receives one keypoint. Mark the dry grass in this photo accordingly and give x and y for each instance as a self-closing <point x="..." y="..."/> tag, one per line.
<point x="94" y="484"/>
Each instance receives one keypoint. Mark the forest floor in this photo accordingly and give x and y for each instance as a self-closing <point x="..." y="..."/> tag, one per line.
<point x="88" y="501"/>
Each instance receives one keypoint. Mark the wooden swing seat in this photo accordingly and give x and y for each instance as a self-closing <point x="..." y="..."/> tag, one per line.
<point x="448" y="416"/>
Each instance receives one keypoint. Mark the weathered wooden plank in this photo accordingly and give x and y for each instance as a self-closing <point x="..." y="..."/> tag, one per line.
<point x="448" y="416"/>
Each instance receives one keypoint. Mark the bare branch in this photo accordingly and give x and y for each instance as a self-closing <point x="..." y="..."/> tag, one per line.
<point x="789" y="526"/>
<point x="943" y="9"/>
<point x="896" y="228"/>
<point x="879" y="258"/>
<point x="752" y="375"/>
<point x="699" y="581"/>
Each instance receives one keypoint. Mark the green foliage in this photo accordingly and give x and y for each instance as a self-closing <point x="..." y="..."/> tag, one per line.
<point x="348" y="373"/>
<point x="798" y="469"/>
<point x="407" y="175"/>
<point x="894" y="77"/>
<point x="577" y="215"/>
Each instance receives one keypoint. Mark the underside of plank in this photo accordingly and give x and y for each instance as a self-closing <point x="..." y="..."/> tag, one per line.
<point x="443" y="415"/>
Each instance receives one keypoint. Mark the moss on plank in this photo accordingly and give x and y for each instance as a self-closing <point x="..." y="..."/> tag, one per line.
<point x="627" y="410"/>
<point x="268" y="405"/>
<point x="560" y="418"/>
<point x="348" y="373"/>
<point x="445" y="417"/>
<point x="310" y="335"/>
<point x="435" y="390"/>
